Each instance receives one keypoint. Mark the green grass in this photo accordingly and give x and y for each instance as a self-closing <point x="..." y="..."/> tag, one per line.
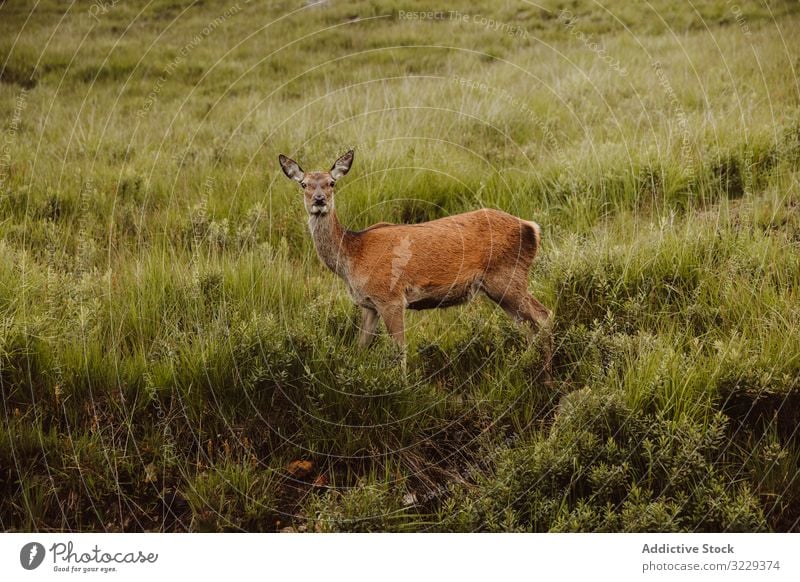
<point x="170" y="343"/>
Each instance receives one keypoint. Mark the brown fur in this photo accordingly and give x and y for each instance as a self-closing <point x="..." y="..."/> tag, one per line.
<point x="392" y="267"/>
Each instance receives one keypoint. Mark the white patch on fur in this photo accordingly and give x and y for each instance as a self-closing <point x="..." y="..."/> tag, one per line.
<point x="401" y="255"/>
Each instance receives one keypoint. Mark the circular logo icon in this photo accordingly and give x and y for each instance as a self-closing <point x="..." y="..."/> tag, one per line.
<point x="31" y="555"/>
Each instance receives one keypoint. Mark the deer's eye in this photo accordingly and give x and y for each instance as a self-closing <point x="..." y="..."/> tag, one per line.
<point x="302" y="184"/>
<point x="332" y="184"/>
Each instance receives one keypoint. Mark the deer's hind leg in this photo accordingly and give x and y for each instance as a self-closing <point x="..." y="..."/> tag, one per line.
<point x="540" y="320"/>
<point x="511" y="293"/>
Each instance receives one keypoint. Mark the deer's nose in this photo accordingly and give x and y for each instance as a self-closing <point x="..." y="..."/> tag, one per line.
<point x="318" y="199"/>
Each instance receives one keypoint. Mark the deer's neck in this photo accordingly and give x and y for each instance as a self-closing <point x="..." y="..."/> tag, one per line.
<point x="330" y="240"/>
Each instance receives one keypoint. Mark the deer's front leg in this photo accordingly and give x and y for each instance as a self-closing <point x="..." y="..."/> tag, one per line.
<point x="369" y="323"/>
<point x="393" y="318"/>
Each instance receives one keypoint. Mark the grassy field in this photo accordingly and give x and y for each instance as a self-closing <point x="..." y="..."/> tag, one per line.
<point x="174" y="357"/>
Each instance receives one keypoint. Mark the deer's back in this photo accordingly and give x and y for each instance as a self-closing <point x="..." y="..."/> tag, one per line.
<point x="443" y="259"/>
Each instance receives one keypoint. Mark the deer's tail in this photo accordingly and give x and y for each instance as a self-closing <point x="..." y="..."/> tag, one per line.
<point x="537" y="233"/>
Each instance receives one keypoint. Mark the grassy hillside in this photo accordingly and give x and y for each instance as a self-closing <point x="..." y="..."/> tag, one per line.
<point x="174" y="357"/>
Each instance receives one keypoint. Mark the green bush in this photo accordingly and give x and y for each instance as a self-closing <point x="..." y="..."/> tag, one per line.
<point x="607" y="467"/>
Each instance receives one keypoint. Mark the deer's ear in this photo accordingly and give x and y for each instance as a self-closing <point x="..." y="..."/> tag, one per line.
<point x="342" y="165"/>
<point x="291" y="169"/>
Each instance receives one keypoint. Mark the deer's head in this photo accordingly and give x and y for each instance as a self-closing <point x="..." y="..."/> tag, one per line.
<point x="318" y="187"/>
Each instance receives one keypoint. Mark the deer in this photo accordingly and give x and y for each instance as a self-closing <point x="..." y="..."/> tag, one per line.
<point x="389" y="268"/>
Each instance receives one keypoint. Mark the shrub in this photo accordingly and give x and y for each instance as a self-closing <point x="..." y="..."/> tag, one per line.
<point x="608" y="467"/>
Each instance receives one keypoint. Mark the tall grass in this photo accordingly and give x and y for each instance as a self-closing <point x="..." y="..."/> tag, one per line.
<point x="170" y="345"/>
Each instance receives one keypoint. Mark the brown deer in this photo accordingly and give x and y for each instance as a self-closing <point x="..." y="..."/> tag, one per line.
<point x="389" y="268"/>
